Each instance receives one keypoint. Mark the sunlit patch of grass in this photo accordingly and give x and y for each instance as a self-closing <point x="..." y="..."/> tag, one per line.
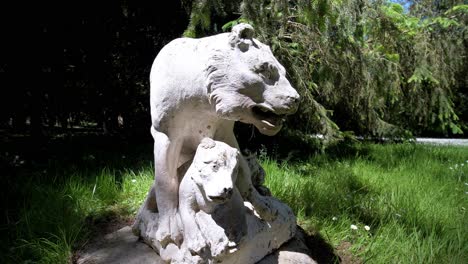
<point x="413" y="204"/>
<point x="135" y="188"/>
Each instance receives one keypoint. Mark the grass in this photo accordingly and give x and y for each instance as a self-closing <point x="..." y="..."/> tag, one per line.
<point x="413" y="203"/>
<point x="55" y="199"/>
<point x="58" y="217"/>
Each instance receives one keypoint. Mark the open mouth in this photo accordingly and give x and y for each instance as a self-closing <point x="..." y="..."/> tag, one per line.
<point x="267" y="116"/>
<point x="217" y="199"/>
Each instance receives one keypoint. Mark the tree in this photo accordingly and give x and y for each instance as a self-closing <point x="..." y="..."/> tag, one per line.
<point x="369" y="67"/>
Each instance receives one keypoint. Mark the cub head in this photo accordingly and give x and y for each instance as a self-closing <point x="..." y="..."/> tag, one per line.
<point x="246" y="83"/>
<point x="216" y="165"/>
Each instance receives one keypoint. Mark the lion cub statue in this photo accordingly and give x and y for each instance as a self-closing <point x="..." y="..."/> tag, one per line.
<point x="211" y="207"/>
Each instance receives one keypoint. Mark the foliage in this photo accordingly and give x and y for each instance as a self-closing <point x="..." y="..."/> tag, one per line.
<point x="371" y="67"/>
<point x="207" y="16"/>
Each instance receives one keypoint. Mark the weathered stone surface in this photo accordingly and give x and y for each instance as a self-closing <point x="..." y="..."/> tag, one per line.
<point x="294" y="251"/>
<point x="122" y="247"/>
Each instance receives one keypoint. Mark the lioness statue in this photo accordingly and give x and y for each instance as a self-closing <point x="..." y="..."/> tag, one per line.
<point x="199" y="88"/>
<point x="210" y="205"/>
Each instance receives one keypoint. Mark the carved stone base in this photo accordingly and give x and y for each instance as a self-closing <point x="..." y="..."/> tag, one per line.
<point x="122" y="247"/>
<point x="119" y="247"/>
<point x="262" y="237"/>
<point x="295" y="251"/>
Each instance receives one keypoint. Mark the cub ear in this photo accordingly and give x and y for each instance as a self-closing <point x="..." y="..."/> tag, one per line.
<point x="241" y="36"/>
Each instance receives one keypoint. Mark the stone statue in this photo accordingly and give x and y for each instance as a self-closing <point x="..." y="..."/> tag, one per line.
<point x="210" y="205"/>
<point x="199" y="88"/>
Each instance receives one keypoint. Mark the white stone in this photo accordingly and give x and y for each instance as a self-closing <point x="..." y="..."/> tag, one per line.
<point x="120" y="247"/>
<point x="199" y="88"/>
<point x="210" y="205"/>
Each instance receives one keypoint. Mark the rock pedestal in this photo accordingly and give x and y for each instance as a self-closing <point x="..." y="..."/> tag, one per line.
<point x="262" y="238"/>
<point x="123" y="247"/>
<point x="120" y="247"/>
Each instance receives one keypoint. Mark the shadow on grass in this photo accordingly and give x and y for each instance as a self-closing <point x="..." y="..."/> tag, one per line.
<point x="320" y="251"/>
<point x="48" y="190"/>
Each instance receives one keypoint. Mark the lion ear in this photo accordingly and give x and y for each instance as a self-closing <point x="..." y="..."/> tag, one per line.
<point x="243" y="31"/>
<point x="242" y="36"/>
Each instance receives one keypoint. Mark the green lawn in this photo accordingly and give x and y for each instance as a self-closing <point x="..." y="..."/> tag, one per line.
<point x="413" y="198"/>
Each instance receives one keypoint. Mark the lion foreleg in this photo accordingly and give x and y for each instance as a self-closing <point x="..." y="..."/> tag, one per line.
<point x="250" y="193"/>
<point x="245" y="185"/>
<point x="166" y="189"/>
<point x="193" y="238"/>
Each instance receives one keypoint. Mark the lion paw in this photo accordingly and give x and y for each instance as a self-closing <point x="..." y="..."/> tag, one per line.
<point x="169" y="230"/>
<point x="264" y="208"/>
<point x="196" y="243"/>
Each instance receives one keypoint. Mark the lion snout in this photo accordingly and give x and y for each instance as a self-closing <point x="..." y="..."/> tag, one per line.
<point x="219" y="190"/>
<point x="227" y="192"/>
<point x="283" y="98"/>
<point x="290" y="103"/>
<point x="225" y="195"/>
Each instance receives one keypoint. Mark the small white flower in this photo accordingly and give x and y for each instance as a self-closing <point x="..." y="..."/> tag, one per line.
<point x="451" y="168"/>
<point x="354" y="227"/>
<point x="466" y="183"/>
<point x="398" y="215"/>
<point x="133" y="180"/>
<point x="462" y="164"/>
<point x="367" y="228"/>
<point x="334" y="218"/>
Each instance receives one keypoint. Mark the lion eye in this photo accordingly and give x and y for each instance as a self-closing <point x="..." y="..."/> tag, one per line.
<point x="267" y="71"/>
<point x="266" y="74"/>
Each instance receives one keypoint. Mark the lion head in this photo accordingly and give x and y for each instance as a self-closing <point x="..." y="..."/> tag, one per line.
<point x="246" y="83"/>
